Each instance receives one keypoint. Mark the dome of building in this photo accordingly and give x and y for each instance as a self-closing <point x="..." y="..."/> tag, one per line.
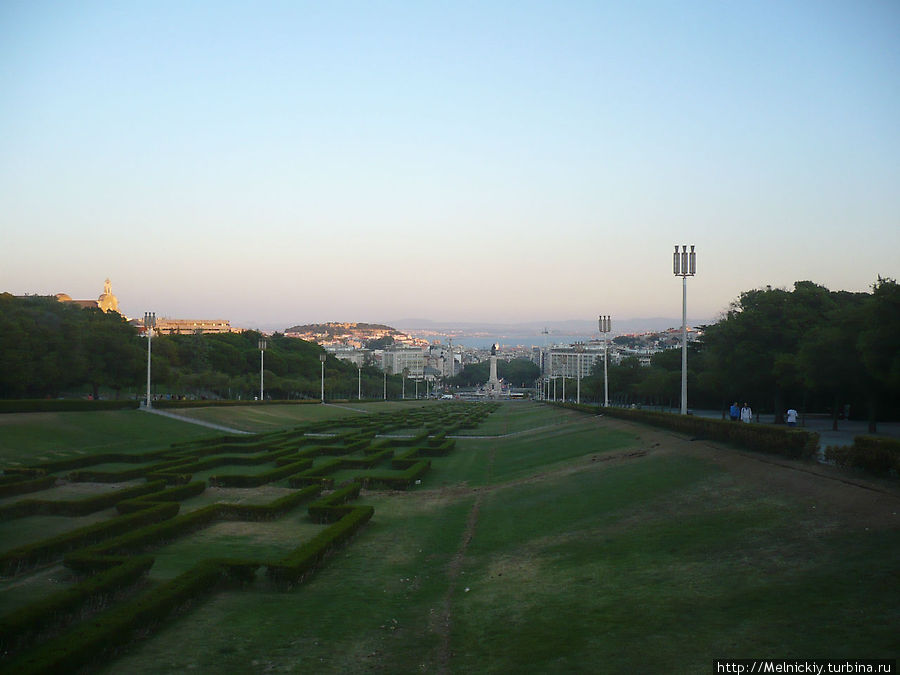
<point x="62" y="297"/>
<point x="107" y="301"/>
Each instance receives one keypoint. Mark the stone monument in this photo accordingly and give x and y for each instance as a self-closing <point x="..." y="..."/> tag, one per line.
<point x="493" y="388"/>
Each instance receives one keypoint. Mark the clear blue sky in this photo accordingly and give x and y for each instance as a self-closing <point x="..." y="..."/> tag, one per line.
<point x="282" y="162"/>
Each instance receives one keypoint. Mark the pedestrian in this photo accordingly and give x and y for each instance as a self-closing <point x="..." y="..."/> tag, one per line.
<point x="734" y="412"/>
<point x="746" y="413"/>
<point x="791" y="417"/>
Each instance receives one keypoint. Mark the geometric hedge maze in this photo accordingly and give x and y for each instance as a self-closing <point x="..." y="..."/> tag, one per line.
<point x="323" y="465"/>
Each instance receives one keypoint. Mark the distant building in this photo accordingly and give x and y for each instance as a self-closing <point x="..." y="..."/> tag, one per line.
<point x="166" y="326"/>
<point x="106" y="302"/>
<point x="395" y="361"/>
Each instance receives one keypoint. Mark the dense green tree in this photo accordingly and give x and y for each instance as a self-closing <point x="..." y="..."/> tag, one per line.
<point x="517" y="372"/>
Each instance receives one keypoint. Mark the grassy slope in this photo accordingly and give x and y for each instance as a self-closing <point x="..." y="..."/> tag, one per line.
<point x="27" y="438"/>
<point x="557" y="563"/>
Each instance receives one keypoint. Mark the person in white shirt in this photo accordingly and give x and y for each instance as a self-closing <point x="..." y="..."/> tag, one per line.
<point x="746" y="413"/>
<point x="791" y="417"/>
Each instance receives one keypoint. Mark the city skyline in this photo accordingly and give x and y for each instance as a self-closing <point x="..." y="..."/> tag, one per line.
<point x="289" y="163"/>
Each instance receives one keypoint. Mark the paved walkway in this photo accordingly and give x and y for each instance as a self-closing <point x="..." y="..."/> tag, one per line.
<point x="847" y="429"/>
<point x="182" y="418"/>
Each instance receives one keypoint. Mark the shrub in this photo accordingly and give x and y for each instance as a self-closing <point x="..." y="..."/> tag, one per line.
<point x="870" y="453"/>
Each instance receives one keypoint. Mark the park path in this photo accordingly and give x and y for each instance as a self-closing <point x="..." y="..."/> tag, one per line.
<point x="182" y="418"/>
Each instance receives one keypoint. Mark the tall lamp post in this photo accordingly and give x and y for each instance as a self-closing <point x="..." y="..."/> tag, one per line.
<point x="684" y="265"/>
<point x="149" y="324"/>
<point x="579" y="353"/>
<point x="384" y="385"/>
<point x="262" y="351"/>
<point x="322" y="359"/>
<point x="359" y="383"/>
<point x="605" y="327"/>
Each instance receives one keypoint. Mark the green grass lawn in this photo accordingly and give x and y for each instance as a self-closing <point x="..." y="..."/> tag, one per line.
<point x="30" y="438"/>
<point x="557" y="545"/>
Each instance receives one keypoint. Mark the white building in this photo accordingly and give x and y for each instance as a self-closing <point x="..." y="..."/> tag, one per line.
<point x="412" y="359"/>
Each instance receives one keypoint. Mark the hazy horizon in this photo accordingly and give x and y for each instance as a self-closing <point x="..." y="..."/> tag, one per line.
<point x="497" y="162"/>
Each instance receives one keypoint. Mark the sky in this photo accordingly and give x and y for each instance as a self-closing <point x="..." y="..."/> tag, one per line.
<point x="276" y="163"/>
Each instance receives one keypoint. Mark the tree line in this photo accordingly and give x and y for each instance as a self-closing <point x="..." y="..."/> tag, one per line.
<point x="808" y="348"/>
<point x="51" y="349"/>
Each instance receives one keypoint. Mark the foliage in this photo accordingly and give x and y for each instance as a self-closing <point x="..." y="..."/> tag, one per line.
<point x="518" y="372"/>
<point x="48" y="347"/>
<point x="874" y="454"/>
<point x="808" y="348"/>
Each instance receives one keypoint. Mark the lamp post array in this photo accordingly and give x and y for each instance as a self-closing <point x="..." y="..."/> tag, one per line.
<point x="149" y="324"/>
<point x="262" y="351"/>
<point x="684" y="265"/>
<point x="605" y="326"/>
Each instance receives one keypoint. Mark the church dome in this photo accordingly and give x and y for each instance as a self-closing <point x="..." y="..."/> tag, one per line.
<point x="107" y="301"/>
<point x="62" y="297"/>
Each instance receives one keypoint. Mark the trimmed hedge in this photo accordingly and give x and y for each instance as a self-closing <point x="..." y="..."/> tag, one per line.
<point x="23" y="487"/>
<point x="75" y="507"/>
<point x="30" y="622"/>
<point x="62" y="405"/>
<point x="871" y="453"/>
<point x="261" y="478"/>
<point x="303" y="561"/>
<point x="786" y="441"/>
<point x="25" y="557"/>
<point x="322" y="510"/>
<point x="397" y="481"/>
<point x="89" y="641"/>
<point x="175" y="494"/>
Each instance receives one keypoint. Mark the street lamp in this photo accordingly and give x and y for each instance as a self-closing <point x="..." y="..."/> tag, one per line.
<point x="149" y="324"/>
<point x="384" y="385"/>
<point x="684" y="265"/>
<point x="322" y="359"/>
<point x="262" y="351"/>
<point x="579" y="353"/>
<point x="605" y="326"/>
<point x="359" y="382"/>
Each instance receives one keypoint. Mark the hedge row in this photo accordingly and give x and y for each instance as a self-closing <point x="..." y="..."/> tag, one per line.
<point x="787" y="441"/>
<point x="175" y="494"/>
<point x="62" y="405"/>
<point x="322" y="510"/>
<point x="155" y="534"/>
<point x="22" y="487"/>
<point x="304" y="560"/>
<point x="25" y="557"/>
<point x="261" y="478"/>
<point x="870" y="453"/>
<point x="29" y="623"/>
<point x="231" y="403"/>
<point x="75" y="507"/>
<point x="117" y="627"/>
<point x="397" y="480"/>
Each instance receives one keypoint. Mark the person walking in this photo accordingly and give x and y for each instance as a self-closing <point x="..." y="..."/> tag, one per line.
<point x="746" y="413"/>
<point x="734" y="412"/>
<point x="791" y="417"/>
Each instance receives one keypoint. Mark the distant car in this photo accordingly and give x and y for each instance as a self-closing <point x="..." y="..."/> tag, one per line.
<point x="447" y="396"/>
